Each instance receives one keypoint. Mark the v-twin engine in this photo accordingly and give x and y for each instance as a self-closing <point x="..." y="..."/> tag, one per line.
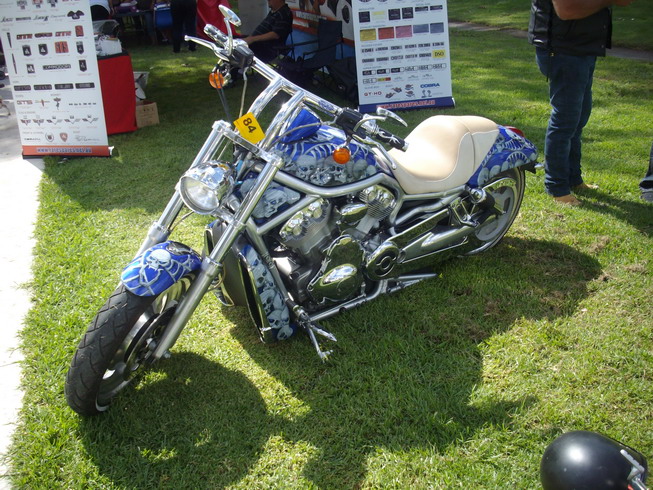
<point x="328" y="244"/>
<point x="336" y="251"/>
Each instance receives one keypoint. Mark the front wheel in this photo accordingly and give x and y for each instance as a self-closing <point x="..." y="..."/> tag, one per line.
<point x="507" y="189"/>
<point x="119" y="341"/>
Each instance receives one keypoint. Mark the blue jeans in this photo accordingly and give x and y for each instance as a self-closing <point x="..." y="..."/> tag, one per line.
<point x="570" y="94"/>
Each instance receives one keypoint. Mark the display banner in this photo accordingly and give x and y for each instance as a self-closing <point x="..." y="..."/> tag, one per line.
<point x="51" y="59"/>
<point x="306" y="14"/>
<point x="402" y="54"/>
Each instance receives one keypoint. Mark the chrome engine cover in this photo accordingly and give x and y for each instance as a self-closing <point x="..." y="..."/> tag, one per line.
<point x="340" y="276"/>
<point x="380" y="200"/>
<point x="381" y="262"/>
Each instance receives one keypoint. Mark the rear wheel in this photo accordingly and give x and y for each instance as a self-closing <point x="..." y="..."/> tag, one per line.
<point x="507" y="189"/>
<point x="117" y="344"/>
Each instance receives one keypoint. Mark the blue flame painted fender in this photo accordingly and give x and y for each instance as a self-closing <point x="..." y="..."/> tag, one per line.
<point x="510" y="150"/>
<point x="159" y="267"/>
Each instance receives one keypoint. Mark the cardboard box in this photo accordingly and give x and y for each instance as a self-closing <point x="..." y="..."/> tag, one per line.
<point x="146" y="114"/>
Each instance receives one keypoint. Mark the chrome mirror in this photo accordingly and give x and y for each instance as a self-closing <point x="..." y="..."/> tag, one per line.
<point x="230" y="18"/>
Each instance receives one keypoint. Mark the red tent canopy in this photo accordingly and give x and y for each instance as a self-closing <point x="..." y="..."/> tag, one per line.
<point x="209" y="13"/>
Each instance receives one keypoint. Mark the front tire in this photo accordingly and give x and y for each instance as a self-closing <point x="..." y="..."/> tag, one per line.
<point x="117" y="344"/>
<point x="507" y="189"/>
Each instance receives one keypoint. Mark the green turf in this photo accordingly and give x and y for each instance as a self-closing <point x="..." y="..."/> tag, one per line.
<point x="631" y="24"/>
<point x="460" y="381"/>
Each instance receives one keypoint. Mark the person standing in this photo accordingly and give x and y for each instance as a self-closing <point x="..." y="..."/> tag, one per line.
<point x="272" y="32"/>
<point x="568" y="36"/>
<point x="184" y="21"/>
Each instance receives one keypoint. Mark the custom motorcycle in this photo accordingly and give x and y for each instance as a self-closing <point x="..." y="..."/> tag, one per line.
<point x="320" y="212"/>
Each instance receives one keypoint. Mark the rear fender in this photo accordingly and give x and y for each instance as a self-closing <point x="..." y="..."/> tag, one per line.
<point x="159" y="267"/>
<point x="510" y="150"/>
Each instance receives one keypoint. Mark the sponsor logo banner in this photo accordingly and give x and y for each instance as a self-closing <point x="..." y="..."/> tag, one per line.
<point x="402" y="54"/>
<point x="50" y="56"/>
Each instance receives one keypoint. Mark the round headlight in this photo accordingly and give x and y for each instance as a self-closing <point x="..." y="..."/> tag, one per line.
<point x="203" y="187"/>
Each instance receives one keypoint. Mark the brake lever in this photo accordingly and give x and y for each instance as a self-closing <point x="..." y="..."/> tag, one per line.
<point x="382" y="114"/>
<point x="208" y="44"/>
<point x="382" y="111"/>
<point x="367" y="118"/>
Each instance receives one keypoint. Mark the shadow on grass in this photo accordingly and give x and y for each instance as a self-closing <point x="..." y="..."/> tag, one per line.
<point x="402" y="378"/>
<point x="637" y="214"/>
<point x="200" y="426"/>
<point x="405" y="367"/>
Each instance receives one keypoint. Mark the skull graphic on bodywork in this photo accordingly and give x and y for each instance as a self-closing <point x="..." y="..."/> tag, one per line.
<point x="279" y="320"/>
<point x="274" y="197"/>
<point x="158" y="259"/>
<point x="270" y="299"/>
<point x="305" y="166"/>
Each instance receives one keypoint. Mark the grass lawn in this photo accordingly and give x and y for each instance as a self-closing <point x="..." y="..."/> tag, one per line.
<point x="631" y="23"/>
<point x="461" y="381"/>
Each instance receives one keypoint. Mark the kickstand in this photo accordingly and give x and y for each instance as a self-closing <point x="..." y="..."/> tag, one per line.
<point x="312" y="329"/>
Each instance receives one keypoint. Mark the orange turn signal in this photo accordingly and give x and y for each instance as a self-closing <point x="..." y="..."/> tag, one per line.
<point x="216" y="80"/>
<point x="341" y="155"/>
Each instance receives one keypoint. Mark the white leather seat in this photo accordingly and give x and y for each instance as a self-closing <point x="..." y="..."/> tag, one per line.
<point x="443" y="152"/>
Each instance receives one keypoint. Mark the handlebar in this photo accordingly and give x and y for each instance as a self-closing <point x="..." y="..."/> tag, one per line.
<point x="354" y="124"/>
<point x="238" y="55"/>
<point x="387" y="137"/>
<point x="216" y="34"/>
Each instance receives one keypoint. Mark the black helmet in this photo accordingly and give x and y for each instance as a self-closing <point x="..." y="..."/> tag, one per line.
<point x="586" y="460"/>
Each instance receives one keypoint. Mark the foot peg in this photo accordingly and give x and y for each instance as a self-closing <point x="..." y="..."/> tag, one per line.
<point x="313" y="329"/>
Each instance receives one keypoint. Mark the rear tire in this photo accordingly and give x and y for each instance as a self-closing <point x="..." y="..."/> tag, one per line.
<point x="508" y="199"/>
<point x="118" y="343"/>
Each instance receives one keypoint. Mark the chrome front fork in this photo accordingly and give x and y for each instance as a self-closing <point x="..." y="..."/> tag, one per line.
<point x="212" y="264"/>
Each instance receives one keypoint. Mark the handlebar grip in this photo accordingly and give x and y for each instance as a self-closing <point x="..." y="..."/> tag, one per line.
<point x="216" y="34"/>
<point x="387" y="137"/>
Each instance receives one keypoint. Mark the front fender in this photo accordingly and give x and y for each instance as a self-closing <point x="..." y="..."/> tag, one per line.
<point x="159" y="267"/>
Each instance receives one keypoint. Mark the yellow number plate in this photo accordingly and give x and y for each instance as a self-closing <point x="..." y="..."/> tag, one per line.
<point x="249" y="128"/>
